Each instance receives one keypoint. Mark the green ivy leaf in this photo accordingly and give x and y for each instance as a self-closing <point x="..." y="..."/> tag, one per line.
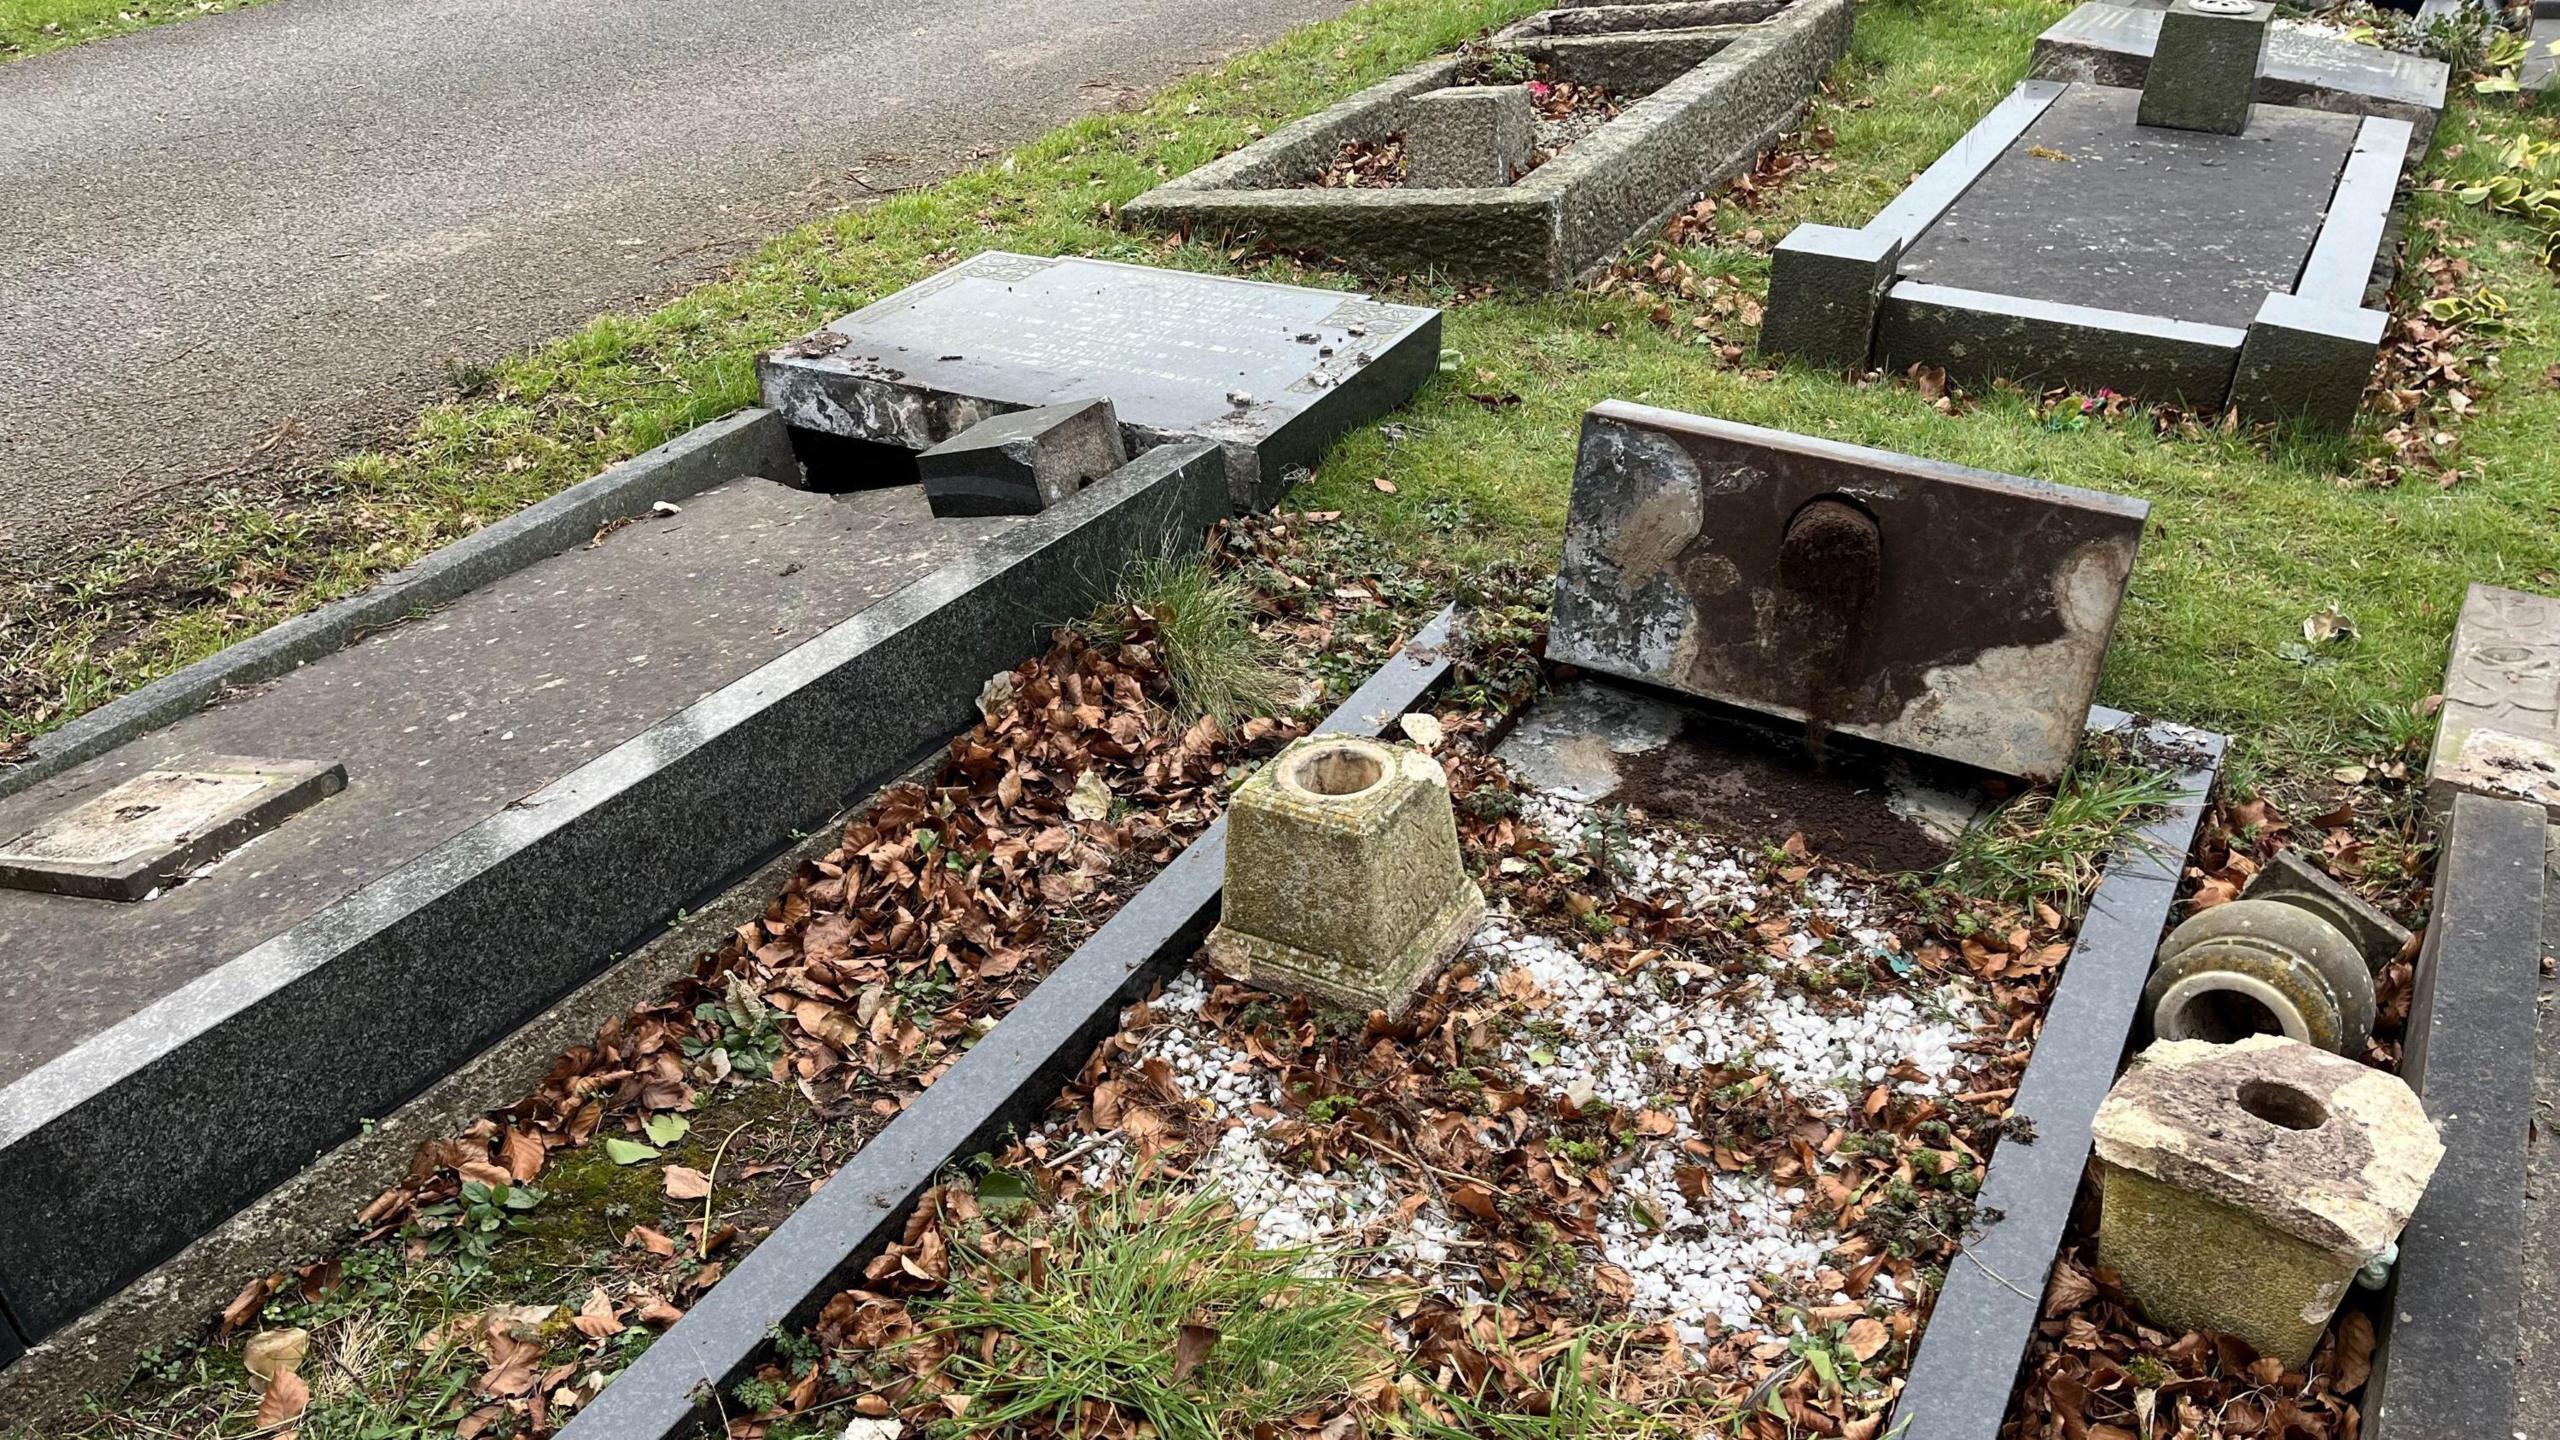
<point x="629" y="1152"/>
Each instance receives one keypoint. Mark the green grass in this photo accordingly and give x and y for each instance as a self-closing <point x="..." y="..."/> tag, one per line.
<point x="1100" y="1316"/>
<point x="2248" y="536"/>
<point x="33" y="27"/>
<point x="1202" y="621"/>
<point x="2048" y="849"/>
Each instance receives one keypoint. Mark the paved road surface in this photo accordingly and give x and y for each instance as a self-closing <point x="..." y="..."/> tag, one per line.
<point x="286" y="219"/>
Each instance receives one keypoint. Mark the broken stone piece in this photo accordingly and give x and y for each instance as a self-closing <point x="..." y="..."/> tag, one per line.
<point x="153" y="829"/>
<point x="2242" y="1186"/>
<point x="2261" y="967"/>
<point x="2499" y="731"/>
<point x="1468" y="137"/>
<point x="2299" y="883"/>
<point x="1343" y="877"/>
<point x="1024" y="461"/>
<point x="2204" y="69"/>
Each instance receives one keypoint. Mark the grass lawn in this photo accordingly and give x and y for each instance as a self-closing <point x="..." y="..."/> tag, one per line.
<point x="32" y="27"/>
<point x="2250" y="536"/>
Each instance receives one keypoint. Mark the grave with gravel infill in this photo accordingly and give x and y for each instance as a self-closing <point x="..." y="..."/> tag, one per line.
<point x="1680" y="108"/>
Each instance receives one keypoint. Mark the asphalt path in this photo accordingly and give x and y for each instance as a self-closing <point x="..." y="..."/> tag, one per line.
<point x="247" y="240"/>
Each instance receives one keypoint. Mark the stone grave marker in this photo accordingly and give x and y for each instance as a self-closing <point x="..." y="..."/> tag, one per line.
<point x="1947" y="611"/>
<point x="1468" y="135"/>
<point x="1024" y="461"/>
<point x="2499" y="731"/>
<point x="1272" y="373"/>
<point x="138" y="836"/>
<point x="2205" y="70"/>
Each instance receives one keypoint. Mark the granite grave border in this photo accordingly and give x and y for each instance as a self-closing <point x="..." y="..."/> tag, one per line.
<point x="1004" y="1080"/>
<point x="286" y="1049"/>
<point x="1836" y="298"/>
<point x="1725" y="94"/>
<point x="752" y="441"/>
<point x="1964" y="1372"/>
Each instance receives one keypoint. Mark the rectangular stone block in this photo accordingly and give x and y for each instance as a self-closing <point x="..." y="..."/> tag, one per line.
<point x="1272" y="373"/>
<point x="1825" y="286"/>
<point x="1948" y="611"/>
<point x="151" y="830"/>
<point x="2499" y="731"/>
<point x="2446" y="1363"/>
<point x="1023" y="462"/>
<point x="1468" y="137"/>
<point x="2307" y="359"/>
<point x="2377" y="936"/>
<point x="2204" y="72"/>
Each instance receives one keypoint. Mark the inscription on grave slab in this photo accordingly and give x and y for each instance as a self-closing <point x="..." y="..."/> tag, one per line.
<point x="2499" y="731"/>
<point x="155" y="827"/>
<point x="1947" y="611"/>
<point x="1271" y="372"/>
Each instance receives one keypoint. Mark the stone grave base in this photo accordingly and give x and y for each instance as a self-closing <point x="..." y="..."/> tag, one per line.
<point x="1716" y="97"/>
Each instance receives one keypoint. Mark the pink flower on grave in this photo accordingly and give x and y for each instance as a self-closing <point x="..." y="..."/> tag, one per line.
<point x="1539" y="89"/>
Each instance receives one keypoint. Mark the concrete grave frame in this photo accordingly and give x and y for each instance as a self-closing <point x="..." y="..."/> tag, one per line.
<point x="1724" y="95"/>
<point x="286" y="1049"/>
<point x="1837" y="298"/>
<point x="1003" y="1081"/>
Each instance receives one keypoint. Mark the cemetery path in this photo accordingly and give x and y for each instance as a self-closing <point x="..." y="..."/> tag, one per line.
<point x="259" y="236"/>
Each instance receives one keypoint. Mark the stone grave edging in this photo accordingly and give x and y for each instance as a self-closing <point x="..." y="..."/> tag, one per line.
<point x="1568" y="216"/>
<point x="752" y="441"/>
<point x="1966" y="1368"/>
<point x="118" y="1154"/>
<point x="1004" y="1080"/>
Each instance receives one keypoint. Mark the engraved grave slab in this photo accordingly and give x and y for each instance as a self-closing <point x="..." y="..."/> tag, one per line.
<point x="2111" y="44"/>
<point x="2499" y="731"/>
<point x="1948" y="611"/>
<point x="157" y="826"/>
<point x="1273" y="373"/>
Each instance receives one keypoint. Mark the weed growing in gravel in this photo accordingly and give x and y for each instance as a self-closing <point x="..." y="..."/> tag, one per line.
<point x="1578" y="1408"/>
<point x="2047" y="849"/>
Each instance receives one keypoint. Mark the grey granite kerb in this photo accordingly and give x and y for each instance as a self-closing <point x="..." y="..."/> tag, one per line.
<point x="105" y="1165"/>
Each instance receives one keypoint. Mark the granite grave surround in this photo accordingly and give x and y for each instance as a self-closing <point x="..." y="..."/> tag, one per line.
<point x="1272" y="373"/>
<point x="1970" y="626"/>
<point x="538" y="776"/>
<point x="1004" y="1081"/>
<point x="1716" y="95"/>
<point x="2110" y="44"/>
<point x="2061" y="243"/>
<point x="2450" y="1333"/>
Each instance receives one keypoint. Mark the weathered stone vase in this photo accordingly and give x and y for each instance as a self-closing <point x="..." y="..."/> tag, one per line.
<point x="2243" y="1185"/>
<point x="1343" y="877"/>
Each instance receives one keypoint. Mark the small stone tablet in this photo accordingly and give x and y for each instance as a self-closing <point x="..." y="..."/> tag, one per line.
<point x="1023" y="462"/>
<point x="1468" y="137"/>
<point x="157" y="826"/>
<point x="2204" y="70"/>
<point x="2499" y="731"/>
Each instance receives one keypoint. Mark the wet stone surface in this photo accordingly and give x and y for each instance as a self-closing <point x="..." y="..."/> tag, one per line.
<point x="2089" y="208"/>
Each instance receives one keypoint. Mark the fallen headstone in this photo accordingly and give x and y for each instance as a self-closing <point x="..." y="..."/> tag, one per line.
<point x="1938" y="609"/>
<point x="1272" y="373"/>
<point x="2498" y="733"/>
<point x="1022" y="462"/>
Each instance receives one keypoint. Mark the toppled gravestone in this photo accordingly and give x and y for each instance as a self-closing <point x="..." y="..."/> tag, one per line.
<point x="2243" y="1186"/>
<point x="1343" y="878"/>
<point x="1023" y="462"/>
<point x="1938" y="609"/>
<point x="2499" y="731"/>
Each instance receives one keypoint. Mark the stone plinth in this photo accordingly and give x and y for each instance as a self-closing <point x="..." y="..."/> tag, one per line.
<point x="1023" y="462"/>
<point x="1343" y="876"/>
<point x="2204" y="71"/>
<point x="2499" y="731"/>
<point x="2244" y="1185"/>
<point x="1468" y="136"/>
<point x="1952" y="612"/>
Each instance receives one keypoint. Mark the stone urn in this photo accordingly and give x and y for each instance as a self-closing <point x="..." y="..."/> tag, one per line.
<point x="1343" y="877"/>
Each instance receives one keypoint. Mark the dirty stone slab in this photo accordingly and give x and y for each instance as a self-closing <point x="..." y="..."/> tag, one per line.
<point x="156" y="828"/>
<point x="2087" y="208"/>
<point x="2498" y="733"/>
<point x="1970" y="627"/>
<point x="450" y="719"/>
<point x="1273" y="373"/>
<point x="2109" y="44"/>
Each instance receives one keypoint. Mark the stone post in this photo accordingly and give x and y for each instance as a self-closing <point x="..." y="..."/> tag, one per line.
<point x="1468" y="137"/>
<point x="2204" y="70"/>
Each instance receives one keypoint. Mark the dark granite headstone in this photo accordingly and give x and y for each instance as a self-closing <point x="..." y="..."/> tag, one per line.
<point x="151" y="830"/>
<point x="1271" y="372"/>
<point x="1938" y="609"/>
<point x="1022" y="462"/>
<point x="2111" y="44"/>
<point x="2205" y="75"/>
<point x="2499" y="731"/>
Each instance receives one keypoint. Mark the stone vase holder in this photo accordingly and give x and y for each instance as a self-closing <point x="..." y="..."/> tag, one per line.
<point x="2262" y="966"/>
<point x="1343" y="877"/>
<point x="2242" y="1186"/>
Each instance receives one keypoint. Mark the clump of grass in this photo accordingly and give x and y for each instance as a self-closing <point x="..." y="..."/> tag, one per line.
<point x="1201" y="623"/>
<point x="1163" y="1309"/>
<point x="1576" y="1405"/>
<point x="2047" y="849"/>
